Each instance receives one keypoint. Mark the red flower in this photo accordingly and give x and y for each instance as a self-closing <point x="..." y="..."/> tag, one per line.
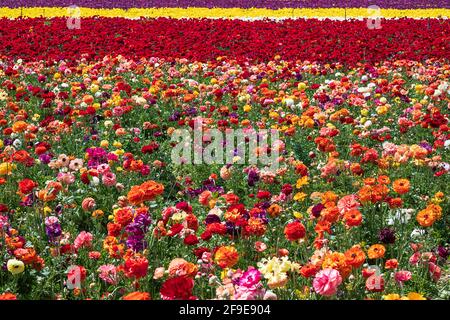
<point x="294" y="231"/>
<point x="191" y="240"/>
<point x="175" y="229"/>
<point x="179" y="288"/>
<point x="136" y="267"/>
<point x="263" y="194"/>
<point x="26" y="186"/>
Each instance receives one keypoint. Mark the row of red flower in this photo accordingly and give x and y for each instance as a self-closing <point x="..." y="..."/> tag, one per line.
<point x="348" y="42"/>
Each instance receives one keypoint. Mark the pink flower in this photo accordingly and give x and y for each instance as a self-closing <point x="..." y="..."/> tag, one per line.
<point x="159" y="273"/>
<point x="109" y="179"/>
<point x="250" y="278"/>
<point x="249" y="293"/>
<point x="260" y="246"/>
<point x="435" y="271"/>
<point x="103" y="168"/>
<point x="66" y="178"/>
<point x="402" y="276"/>
<point x="94" y="255"/>
<point x="347" y="203"/>
<point x="414" y="259"/>
<point x="84" y="239"/>
<point x="270" y="295"/>
<point x="88" y="204"/>
<point x="108" y="273"/>
<point x="327" y="281"/>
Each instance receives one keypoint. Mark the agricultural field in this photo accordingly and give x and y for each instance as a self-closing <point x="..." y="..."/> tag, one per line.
<point x="230" y="150"/>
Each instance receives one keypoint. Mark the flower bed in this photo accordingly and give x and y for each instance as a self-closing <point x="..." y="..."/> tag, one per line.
<point x="92" y="206"/>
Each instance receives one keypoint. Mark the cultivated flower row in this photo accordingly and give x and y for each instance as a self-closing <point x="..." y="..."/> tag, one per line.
<point x="348" y="42"/>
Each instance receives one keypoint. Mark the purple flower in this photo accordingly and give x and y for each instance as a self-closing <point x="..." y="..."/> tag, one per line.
<point x="443" y="252"/>
<point x="317" y="209"/>
<point x="387" y="235"/>
<point x="52" y="228"/>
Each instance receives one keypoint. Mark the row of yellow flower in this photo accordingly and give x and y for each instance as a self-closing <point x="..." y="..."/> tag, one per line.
<point x="221" y="12"/>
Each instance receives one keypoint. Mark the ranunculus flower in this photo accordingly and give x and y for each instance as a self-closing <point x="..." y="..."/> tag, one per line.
<point x="327" y="281"/>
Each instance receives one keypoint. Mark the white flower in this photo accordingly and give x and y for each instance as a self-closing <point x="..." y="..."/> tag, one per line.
<point x="95" y="181"/>
<point x="417" y="233"/>
<point x="368" y="123"/>
<point x="17" y="143"/>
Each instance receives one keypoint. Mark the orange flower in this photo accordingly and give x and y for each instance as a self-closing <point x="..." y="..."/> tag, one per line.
<point x="353" y="218"/>
<point x="329" y="196"/>
<point x="426" y="217"/>
<point x="137" y="296"/>
<point x="8" y="296"/>
<point x="384" y="180"/>
<point x="255" y="227"/>
<point x="373" y="193"/>
<point x="28" y="255"/>
<point x="330" y="214"/>
<point x="123" y="216"/>
<point x="395" y="203"/>
<point x="180" y="267"/>
<point x="391" y="264"/>
<point x="226" y="256"/>
<point x="50" y="192"/>
<point x="274" y="210"/>
<point x="355" y="256"/>
<point x="337" y="261"/>
<point x="19" y="126"/>
<point x="147" y="191"/>
<point x="369" y="181"/>
<point x="376" y="251"/>
<point x="401" y="186"/>
<point x="436" y="209"/>
<point x="136" y="195"/>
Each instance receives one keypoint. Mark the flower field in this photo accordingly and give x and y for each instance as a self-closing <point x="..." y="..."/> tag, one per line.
<point x="353" y="203"/>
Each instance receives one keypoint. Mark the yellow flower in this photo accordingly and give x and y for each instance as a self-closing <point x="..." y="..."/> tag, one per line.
<point x="382" y="109"/>
<point x="104" y="144"/>
<point x="179" y="216"/>
<point x="301" y="86"/>
<point x="47" y="210"/>
<point x="119" y="152"/>
<point x="415" y="296"/>
<point x="6" y="168"/>
<point x="301" y="182"/>
<point x="274" y="115"/>
<point x="15" y="266"/>
<point x="297" y="215"/>
<point x="98" y="213"/>
<point x="203" y="12"/>
<point x="391" y="296"/>
<point x="247" y="108"/>
<point x="300" y="196"/>
<point x="1" y="143"/>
